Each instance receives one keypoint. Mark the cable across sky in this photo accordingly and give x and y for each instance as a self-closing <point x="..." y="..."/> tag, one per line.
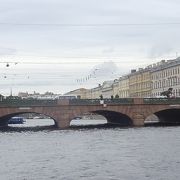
<point x="89" y="24"/>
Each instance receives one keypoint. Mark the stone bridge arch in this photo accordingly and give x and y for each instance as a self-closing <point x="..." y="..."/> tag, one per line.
<point x="112" y="117"/>
<point x="4" y="119"/>
<point x="169" y="115"/>
<point x="165" y="113"/>
<point x="115" y="117"/>
<point x="54" y="113"/>
<point x="63" y="112"/>
<point x="112" y="114"/>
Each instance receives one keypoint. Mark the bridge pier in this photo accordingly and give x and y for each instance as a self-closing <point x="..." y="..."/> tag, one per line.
<point x="62" y="121"/>
<point x="63" y="124"/>
<point x="138" y="119"/>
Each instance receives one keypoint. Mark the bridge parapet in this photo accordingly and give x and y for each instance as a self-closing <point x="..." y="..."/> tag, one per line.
<point x="120" y="101"/>
<point x="98" y="101"/>
<point x="26" y="102"/>
<point x="84" y="101"/>
<point x="161" y="100"/>
<point x="63" y="102"/>
<point x="138" y="101"/>
<point x="38" y="102"/>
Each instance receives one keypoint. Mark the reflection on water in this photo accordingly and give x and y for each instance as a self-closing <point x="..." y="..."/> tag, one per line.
<point x="50" y="122"/>
<point x="34" y="122"/>
<point x="115" y="153"/>
<point x="32" y="125"/>
<point x="87" y="122"/>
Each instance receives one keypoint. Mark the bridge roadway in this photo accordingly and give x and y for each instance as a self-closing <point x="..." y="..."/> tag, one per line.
<point x="129" y="111"/>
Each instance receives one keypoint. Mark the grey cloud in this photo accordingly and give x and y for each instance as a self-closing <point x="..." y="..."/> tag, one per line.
<point x="43" y="35"/>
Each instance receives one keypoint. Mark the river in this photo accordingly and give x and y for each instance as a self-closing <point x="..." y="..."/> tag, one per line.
<point x="93" y="153"/>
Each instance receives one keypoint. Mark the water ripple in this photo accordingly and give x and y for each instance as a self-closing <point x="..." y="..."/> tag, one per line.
<point x="90" y="153"/>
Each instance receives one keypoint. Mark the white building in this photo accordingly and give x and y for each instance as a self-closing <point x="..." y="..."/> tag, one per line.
<point x="107" y="89"/>
<point x="115" y="88"/>
<point x="96" y="92"/>
<point x="165" y="75"/>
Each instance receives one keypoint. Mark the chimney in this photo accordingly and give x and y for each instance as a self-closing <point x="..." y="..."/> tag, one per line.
<point x="133" y="70"/>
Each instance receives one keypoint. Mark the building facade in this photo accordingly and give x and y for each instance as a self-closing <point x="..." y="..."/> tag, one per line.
<point x="107" y="89"/>
<point x="166" y="75"/>
<point x="124" y="86"/>
<point x="79" y="93"/>
<point x="96" y="92"/>
<point x="150" y="81"/>
<point x="140" y="83"/>
<point x="115" y="87"/>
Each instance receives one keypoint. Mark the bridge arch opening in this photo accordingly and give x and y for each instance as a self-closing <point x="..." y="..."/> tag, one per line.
<point x="169" y="116"/>
<point x="116" y="118"/>
<point x="27" y="119"/>
<point x="151" y="120"/>
<point x="104" y="117"/>
<point x="88" y="119"/>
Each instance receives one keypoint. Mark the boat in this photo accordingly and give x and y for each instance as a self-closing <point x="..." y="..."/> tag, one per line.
<point x="77" y="118"/>
<point x="37" y="117"/>
<point x="16" y="120"/>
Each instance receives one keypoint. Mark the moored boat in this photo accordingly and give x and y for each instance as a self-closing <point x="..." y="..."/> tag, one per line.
<point x="16" y="120"/>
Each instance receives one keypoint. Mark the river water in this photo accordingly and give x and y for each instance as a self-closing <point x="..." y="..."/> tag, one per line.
<point x="95" y="153"/>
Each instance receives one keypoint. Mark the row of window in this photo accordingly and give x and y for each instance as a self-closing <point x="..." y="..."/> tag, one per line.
<point x="123" y="94"/>
<point x="173" y="81"/>
<point x="141" y="85"/>
<point x="140" y="94"/>
<point x="166" y="73"/>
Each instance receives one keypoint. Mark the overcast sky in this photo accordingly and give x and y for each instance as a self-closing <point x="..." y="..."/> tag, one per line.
<point x="55" y="45"/>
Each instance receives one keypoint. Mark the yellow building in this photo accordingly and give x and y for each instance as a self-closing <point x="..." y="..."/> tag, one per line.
<point x="140" y="83"/>
<point x="96" y="92"/>
<point x="88" y="94"/>
<point x="124" y="86"/>
<point x="79" y="93"/>
<point x="146" y="88"/>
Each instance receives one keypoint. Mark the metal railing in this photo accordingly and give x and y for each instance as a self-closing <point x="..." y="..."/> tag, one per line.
<point x="84" y="101"/>
<point x="119" y="101"/>
<point x="51" y="102"/>
<point x="98" y="101"/>
<point x="27" y="102"/>
<point x="161" y="100"/>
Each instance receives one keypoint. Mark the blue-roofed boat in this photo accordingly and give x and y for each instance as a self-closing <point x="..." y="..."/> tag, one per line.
<point x="16" y="120"/>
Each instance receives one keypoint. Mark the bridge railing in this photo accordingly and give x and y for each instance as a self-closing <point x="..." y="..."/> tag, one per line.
<point x="161" y="100"/>
<point x="84" y="101"/>
<point x="119" y="101"/>
<point x="98" y="101"/>
<point x="27" y="102"/>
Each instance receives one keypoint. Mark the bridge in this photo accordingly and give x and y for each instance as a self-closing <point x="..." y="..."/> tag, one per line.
<point x="125" y="111"/>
